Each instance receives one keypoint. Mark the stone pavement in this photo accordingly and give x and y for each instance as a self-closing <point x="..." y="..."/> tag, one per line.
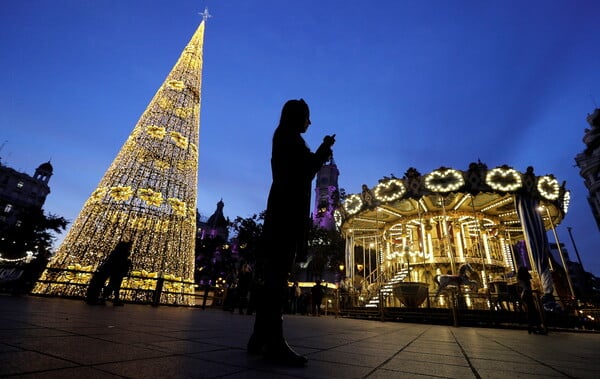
<point x="60" y="338"/>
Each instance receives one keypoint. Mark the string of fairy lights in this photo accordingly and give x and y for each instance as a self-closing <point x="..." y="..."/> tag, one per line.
<point x="147" y="196"/>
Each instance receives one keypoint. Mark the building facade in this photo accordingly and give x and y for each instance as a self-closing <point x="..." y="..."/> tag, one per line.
<point x="20" y="192"/>
<point x="588" y="162"/>
<point x="21" y="200"/>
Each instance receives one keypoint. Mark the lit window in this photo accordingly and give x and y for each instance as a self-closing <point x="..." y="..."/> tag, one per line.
<point x="7" y="208"/>
<point x="20" y="185"/>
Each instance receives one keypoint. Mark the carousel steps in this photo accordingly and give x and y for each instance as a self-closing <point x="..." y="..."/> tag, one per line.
<point x="388" y="288"/>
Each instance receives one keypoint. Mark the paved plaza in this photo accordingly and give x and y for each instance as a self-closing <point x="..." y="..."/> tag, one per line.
<point x="60" y="338"/>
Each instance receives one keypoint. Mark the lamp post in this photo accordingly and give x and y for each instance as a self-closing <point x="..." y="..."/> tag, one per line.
<point x="575" y="247"/>
<point x="560" y="253"/>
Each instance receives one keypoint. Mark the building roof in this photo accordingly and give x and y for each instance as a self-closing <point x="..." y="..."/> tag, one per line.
<point x="46" y="167"/>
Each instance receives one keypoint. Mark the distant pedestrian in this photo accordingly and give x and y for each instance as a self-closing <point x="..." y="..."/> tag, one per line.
<point x="114" y="268"/>
<point x="244" y="282"/>
<point x="533" y="318"/>
<point x="295" y="293"/>
<point x="317" y="292"/>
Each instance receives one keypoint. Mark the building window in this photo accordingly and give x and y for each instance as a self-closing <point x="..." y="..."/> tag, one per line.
<point x="20" y="184"/>
<point x="7" y="208"/>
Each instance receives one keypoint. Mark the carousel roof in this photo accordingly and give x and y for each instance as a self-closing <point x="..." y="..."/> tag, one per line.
<point x="478" y="192"/>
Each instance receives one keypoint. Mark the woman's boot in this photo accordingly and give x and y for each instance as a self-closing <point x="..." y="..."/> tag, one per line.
<point x="277" y="349"/>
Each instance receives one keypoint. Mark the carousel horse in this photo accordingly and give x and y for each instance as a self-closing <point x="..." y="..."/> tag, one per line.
<point x="462" y="279"/>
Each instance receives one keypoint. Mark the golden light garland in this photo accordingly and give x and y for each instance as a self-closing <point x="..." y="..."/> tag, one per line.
<point x="177" y="85"/>
<point x="566" y="201"/>
<point x="150" y="197"/>
<point x="353" y="204"/>
<point x="337" y="216"/>
<point x="548" y="187"/>
<point x="98" y="194"/>
<point x="444" y="180"/>
<point x="389" y="190"/>
<point x="157" y="132"/>
<point x="121" y="193"/>
<point x="161" y="164"/>
<point x="179" y="139"/>
<point x="165" y="103"/>
<point x="504" y="179"/>
<point x="178" y="206"/>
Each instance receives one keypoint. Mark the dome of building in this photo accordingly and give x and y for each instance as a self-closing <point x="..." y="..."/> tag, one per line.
<point x="46" y="167"/>
<point x="218" y="219"/>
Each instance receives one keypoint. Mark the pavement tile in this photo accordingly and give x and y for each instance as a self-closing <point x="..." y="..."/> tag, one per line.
<point x="515" y="367"/>
<point x="18" y="362"/>
<point x="71" y="373"/>
<point x="393" y="374"/>
<point x="181" y="346"/>
<point x="450" y="350"/>
<point x="435" y="358"/>
<point x="440" y="368"/>
<point x="351" y="359"/>
<point x="175" y="366"/>
<point x="17" y="334"/>
<point x="581" y="372"/>
<point x="258" y="374"/>
<point x="120" y="336"/>
<point x="496" y="374"/>
<point x="86" y="350"/>
<point x="319" y="369"/>
<point x="360" y="348"/>
<point x="4" y="348"/>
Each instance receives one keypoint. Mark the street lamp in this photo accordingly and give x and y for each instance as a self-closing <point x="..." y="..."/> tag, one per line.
<point x="560" y="253"/>
<point x="575" y="247"/>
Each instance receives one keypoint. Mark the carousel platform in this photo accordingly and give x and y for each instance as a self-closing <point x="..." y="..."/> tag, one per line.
<point x="62" y="338"/>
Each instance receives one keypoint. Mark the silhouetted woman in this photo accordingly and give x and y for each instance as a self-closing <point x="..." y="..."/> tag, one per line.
<point x="285" y="228"/>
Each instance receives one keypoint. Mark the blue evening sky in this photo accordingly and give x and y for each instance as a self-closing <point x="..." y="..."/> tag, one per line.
<point x="402" y="83"/>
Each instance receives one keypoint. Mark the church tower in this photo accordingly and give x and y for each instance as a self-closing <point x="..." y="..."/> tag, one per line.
<point x="326" y="195"/>
<point x="147" y="196"/>
<point x="216" y="225"/>
<point x="43" y="172"/>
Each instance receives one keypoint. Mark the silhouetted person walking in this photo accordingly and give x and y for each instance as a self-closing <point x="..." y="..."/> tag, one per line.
<point x="243" y="287"/>
<point x="317" y="292"/>
<point x="114" y="268"/>
<point x="285" y="228"/>
<point x="533" y="318"/>
<point x="295" y="293"/>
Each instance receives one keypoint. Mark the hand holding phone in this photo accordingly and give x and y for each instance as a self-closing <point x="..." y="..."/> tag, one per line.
<point x="329" y="140"/>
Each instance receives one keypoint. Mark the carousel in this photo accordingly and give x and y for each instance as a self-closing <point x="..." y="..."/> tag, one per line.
<point x="414" y="239"/>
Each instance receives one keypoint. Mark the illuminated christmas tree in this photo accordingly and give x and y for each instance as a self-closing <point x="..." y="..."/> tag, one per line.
<point x="147" y="196"/>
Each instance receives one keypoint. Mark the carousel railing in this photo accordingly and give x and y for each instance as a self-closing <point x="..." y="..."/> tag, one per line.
<point x="484" y="308"/>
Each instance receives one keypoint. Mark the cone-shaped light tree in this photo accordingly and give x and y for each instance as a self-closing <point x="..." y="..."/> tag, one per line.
<point x="147" y="196"/>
